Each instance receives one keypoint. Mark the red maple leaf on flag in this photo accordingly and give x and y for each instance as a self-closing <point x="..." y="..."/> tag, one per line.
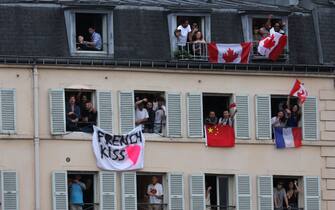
<point x="269" y="42"/>
<point x="230" y="56"/>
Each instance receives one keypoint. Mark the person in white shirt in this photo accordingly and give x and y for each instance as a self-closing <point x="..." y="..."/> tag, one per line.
<point x="184" y="33"/>
<point x="155" y="193"/>
<point x="141" y="113"/>
<point x="160" y="116"/>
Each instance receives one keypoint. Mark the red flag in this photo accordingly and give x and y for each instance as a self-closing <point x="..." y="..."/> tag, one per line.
<point x="299" y="91"/>
<point x="229" y="53"/>
<point x="220" y="136"/>
<point x="233" y="105"/>
<point x="272" y="46"/>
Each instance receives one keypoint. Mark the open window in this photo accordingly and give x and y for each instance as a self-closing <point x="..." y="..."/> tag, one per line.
<point x="90" y="32"/>
<point x="255" y="28"/>
<point x="220" y="191"/>
<point x="186" y="44"/>
<point x="149" y="184"/>
<point x="85" y="183"/>
<point x="150" y="111"/>
<point x="80" y="110"/>
<point x="292" y="188"/>
<point x="216" y="104"/>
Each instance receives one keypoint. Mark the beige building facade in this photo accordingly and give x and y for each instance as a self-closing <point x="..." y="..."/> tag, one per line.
<point x="179" y="157"/>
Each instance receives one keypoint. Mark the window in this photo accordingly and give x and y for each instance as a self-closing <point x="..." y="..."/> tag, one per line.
<point x="217" y="103"/>
<point x="256" y="27"/>
<point x="150" y="111"/>
<point x="87" y="185"/>
<point x="80" y="110"/>
<point x="145" y="186"/>
<point x="291" y="187"/>
<point x="90" y="33"/>
<point x="188" y="35"/>
<point x="219" y="191"/>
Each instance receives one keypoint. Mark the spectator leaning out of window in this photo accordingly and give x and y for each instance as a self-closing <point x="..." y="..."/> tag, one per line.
<point x="227" y="119"/>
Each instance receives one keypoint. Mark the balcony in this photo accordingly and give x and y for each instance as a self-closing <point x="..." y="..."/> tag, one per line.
<point x="146" y="206"/>
<point x="199" y="52"/>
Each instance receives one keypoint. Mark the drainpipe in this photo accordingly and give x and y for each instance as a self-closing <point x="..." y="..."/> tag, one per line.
<point x="36" y="137"/>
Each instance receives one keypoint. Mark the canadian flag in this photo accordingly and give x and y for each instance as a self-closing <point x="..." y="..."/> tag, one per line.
<point x="272" y="46"/>
<point x="229" y="53"/>
<point x="299" y="91"/>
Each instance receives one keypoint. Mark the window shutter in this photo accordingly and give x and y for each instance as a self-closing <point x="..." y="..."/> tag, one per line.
<point x="265" y="193"/>
<point x="176" y="191"/>
<point x="57" y="111"/>
<point x="127" y="111"/>
<point x="312" y="193"/>
<point x="173" y="114"/>
<point x="129" y="200"/>
<point x="242" y="117"/>
<point x="10" y="193"/>
<point x="105" y="114"/>
<point x="59" y="190"/>
<point x="107" y="190"/>
<point x="194" y="115"/>
<point x="243" y="192"/>
<point x="310" y="119"/>
<point x="263" y="117"/>
<point x="197" y="189"/>
<point x="8" y="110"/>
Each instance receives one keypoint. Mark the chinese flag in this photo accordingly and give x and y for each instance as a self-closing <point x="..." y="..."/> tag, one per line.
<point x="220" y="136"/>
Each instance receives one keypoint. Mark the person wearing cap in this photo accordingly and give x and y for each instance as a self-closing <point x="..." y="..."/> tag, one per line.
<point x="279" y="197"/>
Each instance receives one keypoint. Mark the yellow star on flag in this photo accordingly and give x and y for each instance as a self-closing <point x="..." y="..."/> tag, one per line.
<point x="210" y="130"/>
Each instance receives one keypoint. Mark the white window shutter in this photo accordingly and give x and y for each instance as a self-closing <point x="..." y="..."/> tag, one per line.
<point x="57" y="111"/>
<point x="126" y="111"/>
<point x="176" y="191"/>
<point x="107" y="190"/>
<point x="263" y="117"/>
<point x="129" y="194"/>
<point x="312" y="193"/>
<point x="10" y="194"/>
<point x="243" y="192"/>
<point x="8" y="110"/>
<point x="265" y="192"/>
<point x="242" y="126"/>
<point x="310" y="119"/>
<point x="194" y="115"/>
<point x="173" y="106"/>
<point x="59" y="190"/>
<point x="105" y="111"/>
<point x="197" y="189"/>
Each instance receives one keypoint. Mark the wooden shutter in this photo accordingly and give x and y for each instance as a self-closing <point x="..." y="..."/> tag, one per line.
<point x="8" y="110"/>
<point x="243" y="192"/>
<point x="310" y="119"/>
<point x="173" y="114"/>
<point x="57" y="111"/>
<point x="265" y="193"/>
<point x="176" y="191"/>
<point x="263" y="117"/>
<point x="242" y="125"/>
<point x="129" y="199"/>
<point x="59" y="190"/>
<point x="107" y="190"/>
<point x="105" y="116"/>
<point x="312" y="193"/>
<point x="10" y="194"/>
<point x="197" y="189"/>
<point x="126" y="111"/>
<point x="194" y="115"/>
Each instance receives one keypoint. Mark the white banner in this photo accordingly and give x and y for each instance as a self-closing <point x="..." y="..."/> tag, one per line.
<point x="119" y="152"/>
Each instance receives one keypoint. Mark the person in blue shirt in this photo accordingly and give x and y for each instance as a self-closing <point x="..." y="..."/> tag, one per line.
<point x="76" y="189"/>
<point x="96" y="41"/>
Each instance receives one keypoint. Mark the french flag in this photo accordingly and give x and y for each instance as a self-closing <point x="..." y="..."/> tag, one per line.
<point x="229" y="53"/>
<point x="288" y="137"/>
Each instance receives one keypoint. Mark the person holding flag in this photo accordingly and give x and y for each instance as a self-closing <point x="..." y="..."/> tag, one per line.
<point x="293" y="114"/>
<point x="228" y="119"/>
